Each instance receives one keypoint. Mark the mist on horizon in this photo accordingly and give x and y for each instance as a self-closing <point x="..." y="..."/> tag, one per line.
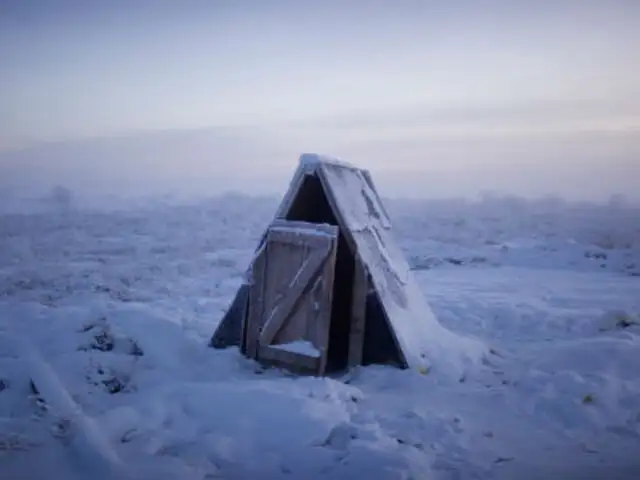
<point x="437" y="100"/>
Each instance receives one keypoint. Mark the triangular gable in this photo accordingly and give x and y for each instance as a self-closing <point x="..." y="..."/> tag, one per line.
<point x="228" y="333"/>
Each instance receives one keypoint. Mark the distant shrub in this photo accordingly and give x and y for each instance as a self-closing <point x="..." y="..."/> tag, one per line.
<point x="618" y="201"/>
<point x="60" y="197"/>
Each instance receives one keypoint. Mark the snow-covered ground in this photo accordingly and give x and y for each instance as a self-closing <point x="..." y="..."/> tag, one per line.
<point x="121" y="304"/>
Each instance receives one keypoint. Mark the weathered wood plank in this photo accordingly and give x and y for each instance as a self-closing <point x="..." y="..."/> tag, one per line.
<point x="243" y="312"/>
<point x="288" y="359"/>
<point x="308" y="312"/>
<point x="298" y="238"/>
<point x="305" y="227"/>
<point x="286" y="260"/>
<point x="324" y="304"/>
<point x="256" y="304"/>
<point x="296" y="287"/>
<point x="358" y="313"/>
<point x="379" y="203"/>
<point x="303" y="315"/>
<point x="290" y="259"/>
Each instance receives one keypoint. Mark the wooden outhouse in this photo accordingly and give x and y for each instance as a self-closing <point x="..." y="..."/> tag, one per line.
<point x="328" y="287"/>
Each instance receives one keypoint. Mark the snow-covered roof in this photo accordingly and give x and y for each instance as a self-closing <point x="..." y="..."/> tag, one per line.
<point x="313" y="160"/>
<point x="309" y="164"/>
<point x="423" y="341"/>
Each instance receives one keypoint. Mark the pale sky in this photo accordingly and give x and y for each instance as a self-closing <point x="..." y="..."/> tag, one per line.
<point x="461" y="87"/>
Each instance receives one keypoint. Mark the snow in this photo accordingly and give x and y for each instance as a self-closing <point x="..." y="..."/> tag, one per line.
<point x="302" y="347"/>
<point x="120" y="305"/>
<point x="314" y="160"/>
<point x="79" y="431"/>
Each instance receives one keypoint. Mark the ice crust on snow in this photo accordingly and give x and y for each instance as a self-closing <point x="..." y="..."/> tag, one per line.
<point x="89" y="445"/>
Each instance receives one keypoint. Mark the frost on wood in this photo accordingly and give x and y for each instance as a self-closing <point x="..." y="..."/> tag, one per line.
<point x="248" y="275"/>
<point x="303" y="228"/>
<point x="359" y="203"/>
<point x="313" y="160"/>
<point x="302" y="347"/>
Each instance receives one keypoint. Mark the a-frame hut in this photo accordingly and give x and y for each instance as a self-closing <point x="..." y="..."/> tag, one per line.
<point x="329" y="288"/>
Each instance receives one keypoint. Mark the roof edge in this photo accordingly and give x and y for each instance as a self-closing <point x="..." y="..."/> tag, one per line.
<point x="311" y="161"/>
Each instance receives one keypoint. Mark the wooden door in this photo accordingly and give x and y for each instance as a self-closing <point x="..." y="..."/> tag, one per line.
<point x="290" y="296"/>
